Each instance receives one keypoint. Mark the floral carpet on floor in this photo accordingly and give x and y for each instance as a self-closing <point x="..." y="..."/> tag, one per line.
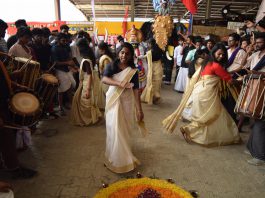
<point x="143" y="188"/>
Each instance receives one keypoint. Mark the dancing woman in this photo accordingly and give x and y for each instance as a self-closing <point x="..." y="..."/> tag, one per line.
<point x="193" y="76"/>
<point x="122" y="99"/>
<point x="211" y="124"/>
<point x="84" y="106"/>
<point x="151" y="93"/>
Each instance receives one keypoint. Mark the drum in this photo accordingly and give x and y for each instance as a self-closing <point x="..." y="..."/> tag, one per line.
<point x="30" y="70"/>
<point x="46" y="88"/>
<point x="25" y="108"/>
<point x="251" y="100"/>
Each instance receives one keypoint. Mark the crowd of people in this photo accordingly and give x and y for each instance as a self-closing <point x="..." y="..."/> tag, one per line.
<point x="97" y="79"/>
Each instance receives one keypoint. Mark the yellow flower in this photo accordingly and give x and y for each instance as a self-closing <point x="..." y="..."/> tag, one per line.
<point x="132" y="186"/>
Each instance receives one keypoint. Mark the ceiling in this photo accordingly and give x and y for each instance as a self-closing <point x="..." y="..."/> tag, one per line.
<point x="144" y="8"/>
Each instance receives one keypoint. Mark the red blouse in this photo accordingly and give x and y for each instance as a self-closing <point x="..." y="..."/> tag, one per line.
<point x="216" y="69"/>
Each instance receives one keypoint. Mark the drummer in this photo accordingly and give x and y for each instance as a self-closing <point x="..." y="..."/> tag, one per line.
<point x="9" y="161"/>
<point x="256" y="141"/>
<point x="41" y="51"/>
<point x="13" y="39"/>
<point x="21" y="48"/>
<point x="235" y="59"/>
<point x="235" y="53"/>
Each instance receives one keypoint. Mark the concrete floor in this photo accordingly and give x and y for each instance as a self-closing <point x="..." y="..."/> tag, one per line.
<point x="70" y="163"/>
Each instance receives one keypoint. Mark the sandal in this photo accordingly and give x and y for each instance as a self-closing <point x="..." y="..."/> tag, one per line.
<point x="185" y="135"/>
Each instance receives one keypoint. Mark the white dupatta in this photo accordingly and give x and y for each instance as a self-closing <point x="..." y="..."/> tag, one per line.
<point x="115" y="92"/>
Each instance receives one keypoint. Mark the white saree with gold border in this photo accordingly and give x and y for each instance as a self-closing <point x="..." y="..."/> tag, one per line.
<point x="154" y="80"/>
<point x="85" y="111"/>
<point x="103" y="88"/>
<point x="211" y="124"/>
<point x="120" y="122"/>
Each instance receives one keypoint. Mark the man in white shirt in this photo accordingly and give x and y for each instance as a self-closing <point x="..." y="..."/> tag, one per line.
<point x="21" y="48"/>
<point x="255" y="58"/>
<point x="178" y="55"/>
<point x="236" y="55"/>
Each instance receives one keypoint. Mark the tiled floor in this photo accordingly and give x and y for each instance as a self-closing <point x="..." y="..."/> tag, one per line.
<point x="70" y="163"/>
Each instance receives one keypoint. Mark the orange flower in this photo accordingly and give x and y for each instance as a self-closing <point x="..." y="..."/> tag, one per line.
<point x="131" y="188"/>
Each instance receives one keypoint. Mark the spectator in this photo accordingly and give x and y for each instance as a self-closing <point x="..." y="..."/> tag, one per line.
<point x="21" y="48"/>
<point x="3" y="44"/>
<point x="13" y="39"/>
<point x="61" y="55"/>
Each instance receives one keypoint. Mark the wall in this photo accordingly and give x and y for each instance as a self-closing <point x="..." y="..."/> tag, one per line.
<point x="205" y="30"/>
<point x="115" y="28"/>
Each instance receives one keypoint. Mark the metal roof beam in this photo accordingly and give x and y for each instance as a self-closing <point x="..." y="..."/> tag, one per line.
<point x="103" y="7"/>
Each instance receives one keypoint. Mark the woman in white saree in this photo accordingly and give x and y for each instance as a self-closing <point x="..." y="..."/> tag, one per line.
<point x="122" y="99"/>
<point x="151" y="93"/>
<point x="85" y="110"/>
<point x="193" y="77"/>
<point x="211" y="124"/>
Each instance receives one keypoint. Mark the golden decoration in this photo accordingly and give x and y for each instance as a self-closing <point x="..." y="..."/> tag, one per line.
<point x="163" y="27"/>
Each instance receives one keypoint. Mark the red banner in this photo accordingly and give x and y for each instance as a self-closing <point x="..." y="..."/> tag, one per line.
<point x="191" y="5"/>
<point x="55" y="25"/>
<point x="124" y="23"/>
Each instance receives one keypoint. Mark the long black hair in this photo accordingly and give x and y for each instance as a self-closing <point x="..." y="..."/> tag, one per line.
<point x="198" y="54"/>
<point x="146" y="29"/>
<point x="224" y="61"/>
<point x="131" y="60"/>
<point x="104" y="46"/>
<point x="154" y="46"/>
<point x="85" y="50"/>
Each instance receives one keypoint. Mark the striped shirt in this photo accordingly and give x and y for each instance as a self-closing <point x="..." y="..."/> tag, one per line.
<point x="3" y="45"/>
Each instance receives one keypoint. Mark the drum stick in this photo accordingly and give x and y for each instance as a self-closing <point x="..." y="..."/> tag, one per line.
<point x="5" y="54"/>
<point x="237" y="74"/>
<point x="13" y="127"/>
<point x="53" y="65"/>
<point x="184" y="36"/>
<point x="246" y="69"/>
<point x="25" y="65"/>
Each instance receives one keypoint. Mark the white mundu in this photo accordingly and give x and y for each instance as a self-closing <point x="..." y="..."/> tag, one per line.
<point x="9" y="194"/>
